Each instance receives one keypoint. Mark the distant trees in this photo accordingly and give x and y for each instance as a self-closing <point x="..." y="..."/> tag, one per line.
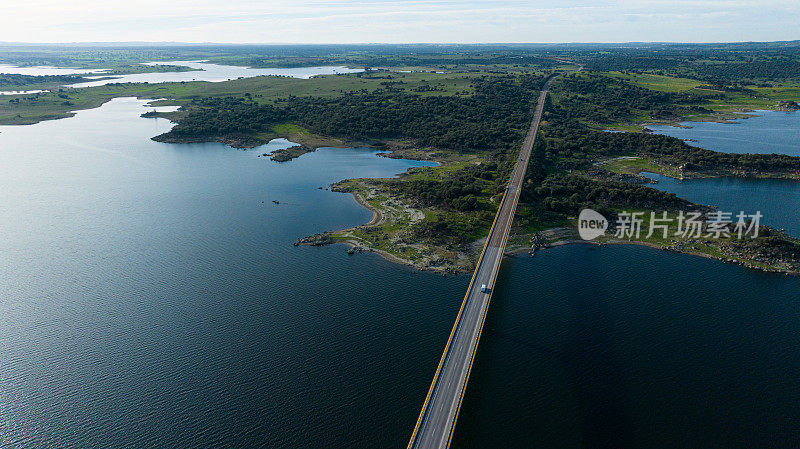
<point x="496" y="116"/>
<point x="603" y="99"/>
<point x="558" y="179"/>
<point x="719" y="65"/>
<point x="570" y="144"/>
<point x="10" y="80"/>
<point x="215" y="117"/>
<point x="494" y="119"/>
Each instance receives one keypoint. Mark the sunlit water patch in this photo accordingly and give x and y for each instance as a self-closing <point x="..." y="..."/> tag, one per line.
<point x="768" y="132"/>
<point x="205" y="71"/>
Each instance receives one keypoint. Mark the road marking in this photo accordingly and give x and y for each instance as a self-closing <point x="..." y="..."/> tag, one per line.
<point x="476" y="306"/>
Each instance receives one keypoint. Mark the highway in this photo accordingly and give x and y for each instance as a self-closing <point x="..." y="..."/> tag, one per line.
<point x="437" y="420"/>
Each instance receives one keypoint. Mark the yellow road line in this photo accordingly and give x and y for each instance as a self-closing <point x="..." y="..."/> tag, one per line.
<point x="453" y="331"/>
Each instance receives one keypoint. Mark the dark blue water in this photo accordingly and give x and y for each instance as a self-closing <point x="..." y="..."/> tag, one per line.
<point x="630" y="347"/>
<point x="778" y="200"/>
<point x="768" y="132"/>
<point x="150" y="296"/>
<point x="771" y="131"/>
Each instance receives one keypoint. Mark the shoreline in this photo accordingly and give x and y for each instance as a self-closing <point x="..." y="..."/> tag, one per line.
<point x="376" y="214"/>
<point x="415" y="253"/>
<point x="376" y="218"/>
<point x="694" y="175"/>
<point x="654" y="246"/>
<point x="731" y="117"/>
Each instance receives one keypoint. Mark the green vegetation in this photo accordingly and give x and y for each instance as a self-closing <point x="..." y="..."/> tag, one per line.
<point x="27" y="109"/>
<point x="470" y="117"/>
<point x="633" y="165"/>
<point x="718" y="64"/>
<point x="659" y="83"/>
<point x="586" y="103"/>
<point x="288" y="154"/>
<point x="93" y="57"/>
<point x="126" y="69"/>
<point x="770" y="250"/>
<point x="419" y="227"/>
<point x="12" y="81"/>
<point x="494" y="117"/>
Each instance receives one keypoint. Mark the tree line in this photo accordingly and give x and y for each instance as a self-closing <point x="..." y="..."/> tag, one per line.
<point x="493" y="117"/>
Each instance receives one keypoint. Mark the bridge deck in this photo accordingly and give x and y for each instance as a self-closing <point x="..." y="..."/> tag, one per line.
<point x="437" y="419"/>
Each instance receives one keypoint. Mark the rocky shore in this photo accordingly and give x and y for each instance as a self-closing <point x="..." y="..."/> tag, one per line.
<point x="289" y="153"/>
<point x="777" y="253"/>
<point x="787" y="106"/>
<point x="239" y="140"/>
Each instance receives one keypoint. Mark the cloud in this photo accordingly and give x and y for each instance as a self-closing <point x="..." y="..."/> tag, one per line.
<point x="321" y="21"/>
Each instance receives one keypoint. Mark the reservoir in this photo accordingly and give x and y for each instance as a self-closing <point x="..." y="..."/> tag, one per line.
<point x="630" y="347"/>
<point x="766" y="132"/>
<point x="152" y="297"/>
<point x="44" y="70"/>
<point x="23" y="92"/>
<point x="769" y="132"/>
<point x="777" y="199"/>
<point x="205" y="71"/>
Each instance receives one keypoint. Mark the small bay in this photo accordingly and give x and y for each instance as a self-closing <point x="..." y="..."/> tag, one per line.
<point x="766" y="132"/>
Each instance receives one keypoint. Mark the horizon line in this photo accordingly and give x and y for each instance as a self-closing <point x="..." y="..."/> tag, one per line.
<point x="27" y="43"/>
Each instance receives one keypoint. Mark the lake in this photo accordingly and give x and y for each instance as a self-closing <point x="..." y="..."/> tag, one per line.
<point x="23" y="92"/>
<point x="630" y="347"/>
<point x="777" y="199"/>
<point x="767" y="132"/>
<point x="215" y="73"/>
<point x="42" y="70"/>
<point x="152" y="297"/>
<point x="204" y="71"/>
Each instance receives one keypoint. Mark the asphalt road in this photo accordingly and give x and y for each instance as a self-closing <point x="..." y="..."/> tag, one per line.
<point x="437" y="419"/>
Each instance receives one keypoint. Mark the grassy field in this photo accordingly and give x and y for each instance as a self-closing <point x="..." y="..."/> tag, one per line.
<point x="657" y="82"/>
<point x="734" y="101"/>
<point x="634" y="165"/>
<point x="27" y="109"/>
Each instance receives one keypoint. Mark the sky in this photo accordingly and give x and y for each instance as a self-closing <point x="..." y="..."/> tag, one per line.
<point x="386" y="21"/>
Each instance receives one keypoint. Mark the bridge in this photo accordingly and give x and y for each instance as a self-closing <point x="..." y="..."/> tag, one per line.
<point x="437" y="420"/>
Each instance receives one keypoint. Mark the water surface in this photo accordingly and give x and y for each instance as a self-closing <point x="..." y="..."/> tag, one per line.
<point x="23" y="92"/>
<point x="215" y="73"/>
<point x="767" y="132"/>
<point x="777" y="199"/>
<point x="45" y="70"/>
<point x="631" y="347"/>
<point x="152" y="297"/>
